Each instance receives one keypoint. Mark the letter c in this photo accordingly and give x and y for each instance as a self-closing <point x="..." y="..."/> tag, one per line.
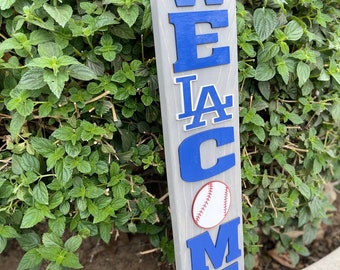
<point x="190" y="155"/>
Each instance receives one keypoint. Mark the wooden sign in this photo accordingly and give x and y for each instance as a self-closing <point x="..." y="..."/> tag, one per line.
<point x="196" y="53"/>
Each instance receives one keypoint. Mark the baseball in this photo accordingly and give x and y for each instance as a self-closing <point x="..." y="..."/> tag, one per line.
<point x="211" y="204"/>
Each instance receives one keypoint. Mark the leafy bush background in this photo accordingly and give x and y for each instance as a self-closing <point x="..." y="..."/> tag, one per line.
<point x="80" y="123"/>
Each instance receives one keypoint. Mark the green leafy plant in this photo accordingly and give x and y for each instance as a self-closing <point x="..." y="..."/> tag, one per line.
<point x="289" y="92"/>
<point x="80" y="123"/>
<point x="81" y="144"/>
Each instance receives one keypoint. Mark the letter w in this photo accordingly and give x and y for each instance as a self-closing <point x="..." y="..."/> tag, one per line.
<point x="189" y="3"/>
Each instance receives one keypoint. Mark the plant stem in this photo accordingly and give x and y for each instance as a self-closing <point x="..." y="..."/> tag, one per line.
<point x="89" y="41"/>
<point x="142" y="44"/>
<point x="1" y="35"/>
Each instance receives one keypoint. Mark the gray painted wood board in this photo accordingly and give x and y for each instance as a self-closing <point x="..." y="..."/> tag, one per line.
<point x="196" y="54"/>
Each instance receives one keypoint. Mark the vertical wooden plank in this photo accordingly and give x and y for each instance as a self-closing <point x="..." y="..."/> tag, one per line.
<point x="196" y="53"/>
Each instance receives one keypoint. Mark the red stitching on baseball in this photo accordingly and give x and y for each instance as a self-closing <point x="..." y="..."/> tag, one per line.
<point x="205" y="204"/>
<point x="226" y="191"/>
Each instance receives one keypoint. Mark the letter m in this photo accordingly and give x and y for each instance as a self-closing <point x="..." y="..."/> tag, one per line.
<point x="227" y="238"/>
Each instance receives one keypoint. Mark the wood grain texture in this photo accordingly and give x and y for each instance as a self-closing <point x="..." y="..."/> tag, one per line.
<point x="225" y="80"/>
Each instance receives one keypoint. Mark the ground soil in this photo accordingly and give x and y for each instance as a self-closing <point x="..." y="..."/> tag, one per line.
<point x="134" y="252"/>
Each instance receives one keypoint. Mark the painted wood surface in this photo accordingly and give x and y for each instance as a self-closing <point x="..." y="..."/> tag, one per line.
<point x="196" y="54"/>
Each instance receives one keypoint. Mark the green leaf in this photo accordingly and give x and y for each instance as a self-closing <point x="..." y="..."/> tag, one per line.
<point x="66" y="60"/>
<point x="56" y="82"/>
<point x="28" y="241"/>
<point x="252" y="117"/>
<point x="264" y="22"/>
<point x="8" y="232"/>
<point x="119" y="203"/>
<point x="303" y="72"/>
<point x="3" y="243"/>
<point x="293" y="31"/>
<point x="109" y="55"/>
<point x="294" y="257"/>
<point x="16" y="124"/>
<point x="250" y="260"/>
<point x="57" y="225"/>
<point x="84" y="166"/>
<point x="88" y="7"/>
<point x="269" y="51"/>
<point x="132" y="227"/>
<point x="60" y="13"/>
<point x="307" y="88"/>
<point x="309" y="234"/>
<point x="119" y="77"/>
<point x="324" y="76"/>
<point x="40" y="193"/>
<point x="43" y="146"/>
<point x="40" y="62"/>
<point x="64" y="208"/>
<point x="40" y="36"/>
<point x="29" y="163"/>
<point x="316" y="208"/>
<point x="105" y="231"/>
<point x="264" y="72"/>
<point x="73" y="243"/>
<point x="275" y="143"/>
<point x="81" y="204"/>
<point x="147" y="18"/>
<point x="295" y="119"/>
<point x="10" y="44"/>
<point x="49" y="49"/>
<point x="45" y="109"/>
<point x="73" y="150"/>
<point x="116" y="2"/>
<point x="265" y="89"/>
<point x="50" y="253"/>
<point x="93" y="192"/>
<point x="26" y="107"/>
<point x="71" y="261"/>
<point x="82" y="72"/>
<point x="16" y="165"/>
<point x="31" y="217"/>
<point x="6" y="4"/>
<point x="123" y="31"/>
<point x="303" y="188"/>
<point x="283" y="70"/>
<point x="106" y="18"/>
<point x="101" y="167"/>
<point x="147" y="100"/>
<point x="127" y="112"/>
<point x="55" y="200"/>
<point x="129" y="15"/>
<point x="32" y="79"/>
<point x="63" y="133"/>
<point x="335" y="111"/>
<point x="63" y="172"/>
<point x="30" y="260"/>
<point x="259" y="132"/>
<point x="300" y="249"/>
<point x="51" y="240"/>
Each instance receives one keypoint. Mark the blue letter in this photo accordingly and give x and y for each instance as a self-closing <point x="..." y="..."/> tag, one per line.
<point x="190" y="155"/>
<point x="187" y="40"/>
<point x="187" y="98"/>
<point x="207" y="92"/>
<point x="190" y="3"/>
<point x="227" y="237"/>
